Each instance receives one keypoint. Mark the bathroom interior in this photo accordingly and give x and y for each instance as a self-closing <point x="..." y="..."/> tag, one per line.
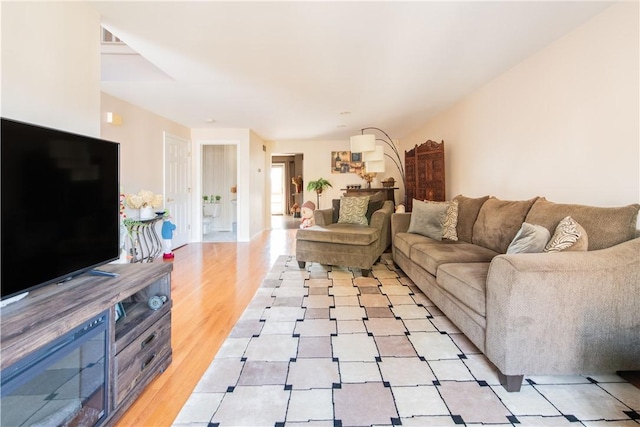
<point x="219" y="185"/>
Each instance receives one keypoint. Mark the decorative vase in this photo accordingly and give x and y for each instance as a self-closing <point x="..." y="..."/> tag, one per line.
<point x="146" y="213"/>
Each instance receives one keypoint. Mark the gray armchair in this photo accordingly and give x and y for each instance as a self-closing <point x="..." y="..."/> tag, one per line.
<point x="348" y="245"/>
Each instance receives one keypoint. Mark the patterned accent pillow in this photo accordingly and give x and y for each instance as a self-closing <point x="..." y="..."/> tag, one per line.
<point x="353" y="210"/>
<point x="449" y="230"/>
<point x="569" y="235"/>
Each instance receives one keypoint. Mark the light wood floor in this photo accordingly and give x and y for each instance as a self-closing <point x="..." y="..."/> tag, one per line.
<point x="212" y="283"/>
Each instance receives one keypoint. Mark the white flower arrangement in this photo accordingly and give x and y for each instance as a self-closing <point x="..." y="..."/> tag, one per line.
<point x="144" y="199"/>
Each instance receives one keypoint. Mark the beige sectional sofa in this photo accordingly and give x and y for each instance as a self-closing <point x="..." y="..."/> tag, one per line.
<point x="568" y="312"/>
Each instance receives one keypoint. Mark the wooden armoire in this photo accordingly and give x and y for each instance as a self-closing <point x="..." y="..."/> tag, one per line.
<point x="424" y="173"/>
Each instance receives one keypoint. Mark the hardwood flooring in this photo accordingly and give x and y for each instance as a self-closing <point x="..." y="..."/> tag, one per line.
<point x="212" y="283"/>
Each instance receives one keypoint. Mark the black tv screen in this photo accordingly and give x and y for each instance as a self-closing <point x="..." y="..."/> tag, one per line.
<point x="60" y="205"/>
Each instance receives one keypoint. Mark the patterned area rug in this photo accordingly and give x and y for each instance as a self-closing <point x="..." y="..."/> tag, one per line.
<point x="328" y="347"/>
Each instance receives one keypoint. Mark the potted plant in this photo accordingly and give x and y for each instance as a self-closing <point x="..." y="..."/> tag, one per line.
<point x="218" y="198"/>
<point x="318" y="186"/>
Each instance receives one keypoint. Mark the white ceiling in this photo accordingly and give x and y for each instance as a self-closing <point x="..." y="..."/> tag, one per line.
<point x="290" y="70"/>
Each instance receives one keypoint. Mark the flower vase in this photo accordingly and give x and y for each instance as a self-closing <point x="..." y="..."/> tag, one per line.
<point x="146" y="212"/>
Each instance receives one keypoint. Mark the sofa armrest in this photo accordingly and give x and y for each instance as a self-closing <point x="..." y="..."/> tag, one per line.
<point x="567" y="312"/>
<point x="381" y="219"/>
<point x="381" y="216"/>
<point x="323" y="216"/>
<point x="400" y="222"/>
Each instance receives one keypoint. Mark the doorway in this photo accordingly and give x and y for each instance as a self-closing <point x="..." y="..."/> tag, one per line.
<point x="219" y="183"/>
<point x="277" y="189"/>
<point x="286" y="190"/>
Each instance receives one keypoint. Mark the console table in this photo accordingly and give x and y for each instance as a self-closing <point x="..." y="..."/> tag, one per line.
<point x="390" y="192"/>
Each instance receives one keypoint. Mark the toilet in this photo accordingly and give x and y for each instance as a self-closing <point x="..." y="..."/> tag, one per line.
<point x="209" y="212"/>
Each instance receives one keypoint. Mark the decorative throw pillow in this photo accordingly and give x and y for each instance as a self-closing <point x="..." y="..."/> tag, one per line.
<point x="353" y="210"/>
<point x="530" y="238"/>
<point x="450" y="231"/>
<point x="373" y="206"/>
<point x="427" y="219"/>
<point x="569" y="235"/>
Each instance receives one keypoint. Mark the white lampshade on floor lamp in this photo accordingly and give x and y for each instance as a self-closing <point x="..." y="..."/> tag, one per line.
<point x="374" y="160"/>
<point x="363" y="143"/>
<point x="373" y="155"/>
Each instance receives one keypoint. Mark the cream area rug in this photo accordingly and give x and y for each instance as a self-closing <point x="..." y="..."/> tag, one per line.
<point x="325" y="346"/>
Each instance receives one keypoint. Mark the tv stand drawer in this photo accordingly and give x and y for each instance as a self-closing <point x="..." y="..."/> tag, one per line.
<point x="143" y="356"/>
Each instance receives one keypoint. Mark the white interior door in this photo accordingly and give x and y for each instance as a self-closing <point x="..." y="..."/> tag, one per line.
<point x="177" y="186"/>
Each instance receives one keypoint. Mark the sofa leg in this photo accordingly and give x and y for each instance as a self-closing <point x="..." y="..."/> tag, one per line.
<point x="511" y="383"/>
<point x="365" y="272"/>
<point x="301" y="264"/>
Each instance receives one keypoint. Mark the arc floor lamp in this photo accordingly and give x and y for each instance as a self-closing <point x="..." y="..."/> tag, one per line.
<point x="373" y="154"/>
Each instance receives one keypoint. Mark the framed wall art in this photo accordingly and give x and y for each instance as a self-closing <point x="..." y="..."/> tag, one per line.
<point x="346" y="162"/>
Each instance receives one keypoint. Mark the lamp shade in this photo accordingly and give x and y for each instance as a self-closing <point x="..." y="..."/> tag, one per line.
<point x="375" y="166"/>
<point x="363" y="143"/>
<point x="375" y="155"/>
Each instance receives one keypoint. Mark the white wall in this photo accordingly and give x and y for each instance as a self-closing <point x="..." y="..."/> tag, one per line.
<point x="141" y="143"/>
<point x="51" y="65"/>
<point x="563" y="124"/>
<point x="260" y="188"/>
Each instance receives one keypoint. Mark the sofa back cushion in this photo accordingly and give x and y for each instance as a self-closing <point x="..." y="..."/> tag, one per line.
<point x="605" y="227"/>
<point x="468" y="209"/>
<point x="499" y="221"/>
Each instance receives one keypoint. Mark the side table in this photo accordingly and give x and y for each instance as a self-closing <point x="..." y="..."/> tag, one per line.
<point x="143" y="238"/>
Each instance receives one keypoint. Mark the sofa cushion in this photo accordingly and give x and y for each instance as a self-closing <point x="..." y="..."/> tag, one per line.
<point x="353" y="210"/>
<point x="499" y="221"/>
<point x="467" y="282"/>
<point x="605" y="227"/>
<point x="348" y="234"/>
<point x="404" y="241"/>
<point x="431" y="254"/>
<point x="530" y="238"/>
<point x="569" y="236"/>
<point x="427" y="219"/>
<point x="468" y="209"/>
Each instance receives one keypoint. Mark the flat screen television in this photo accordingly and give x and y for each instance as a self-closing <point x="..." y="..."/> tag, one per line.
<point x="59" y="204"/>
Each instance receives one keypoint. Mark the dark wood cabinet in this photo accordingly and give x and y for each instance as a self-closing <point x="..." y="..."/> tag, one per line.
<point x="425" y="173"/>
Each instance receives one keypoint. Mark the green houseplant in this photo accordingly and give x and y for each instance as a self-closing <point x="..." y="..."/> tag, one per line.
<point x="318" y="186"/>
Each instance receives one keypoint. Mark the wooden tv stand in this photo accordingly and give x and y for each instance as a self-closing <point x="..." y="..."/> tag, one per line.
<point x="139" y="344"/>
